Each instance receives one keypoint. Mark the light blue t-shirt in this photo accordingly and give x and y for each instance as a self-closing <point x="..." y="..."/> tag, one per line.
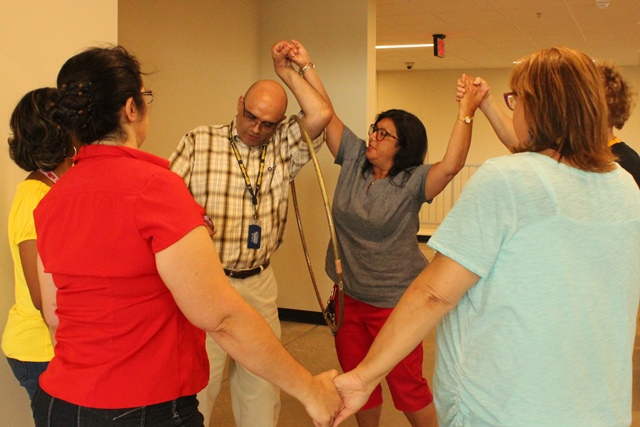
<point x="545" y="338"/>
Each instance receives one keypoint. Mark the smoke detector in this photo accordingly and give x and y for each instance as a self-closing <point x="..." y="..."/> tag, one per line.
<point x="603" y="4"/>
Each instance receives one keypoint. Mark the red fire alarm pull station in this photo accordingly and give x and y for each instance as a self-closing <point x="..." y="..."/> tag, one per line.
<point x="438" y="45"/>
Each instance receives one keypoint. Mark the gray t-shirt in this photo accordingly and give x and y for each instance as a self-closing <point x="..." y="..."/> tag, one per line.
<point x="377" y="226"/>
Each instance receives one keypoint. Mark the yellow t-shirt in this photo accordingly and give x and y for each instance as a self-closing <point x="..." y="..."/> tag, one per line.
<point x="26" y="335"/>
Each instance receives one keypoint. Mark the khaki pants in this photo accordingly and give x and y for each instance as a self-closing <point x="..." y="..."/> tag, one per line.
<point x="255" y="402"/>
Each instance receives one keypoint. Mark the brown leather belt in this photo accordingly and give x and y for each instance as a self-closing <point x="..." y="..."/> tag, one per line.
<point x="243" y="274"/>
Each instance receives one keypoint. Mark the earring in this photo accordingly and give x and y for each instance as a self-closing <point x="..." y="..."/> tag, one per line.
<point x="75" y="151"/>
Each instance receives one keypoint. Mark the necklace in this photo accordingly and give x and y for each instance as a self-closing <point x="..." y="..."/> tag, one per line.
<point x="381" y="175"/>
<point x="370" y="184"/>
<point x="49" y="174"/>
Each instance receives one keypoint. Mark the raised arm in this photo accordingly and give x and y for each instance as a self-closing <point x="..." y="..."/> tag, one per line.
<point x="334" y="134"/>
<point x="317" y="111"/>
<point x="502" y="124"/>
<point x="432" y="294"/>
<point x="192" y="271"/>
<point x="299" y="56"/>
<point x="442" y="173"/>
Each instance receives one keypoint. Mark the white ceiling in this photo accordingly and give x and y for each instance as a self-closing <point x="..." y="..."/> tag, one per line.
<point x="494" y="33"/>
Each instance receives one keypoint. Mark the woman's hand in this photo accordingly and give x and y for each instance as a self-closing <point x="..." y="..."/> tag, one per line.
<point x="298" y="54"/>
<point x="211" y="228"/>
<point x="479" y="83"/>
<point x="354" y="393"/>
<point x="323" y="402"/>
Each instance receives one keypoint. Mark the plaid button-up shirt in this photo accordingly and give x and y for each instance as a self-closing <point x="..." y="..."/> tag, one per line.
<point x="206" y="162"/>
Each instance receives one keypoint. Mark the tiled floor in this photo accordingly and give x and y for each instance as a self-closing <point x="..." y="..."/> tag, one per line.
<point x="313" y="347"/>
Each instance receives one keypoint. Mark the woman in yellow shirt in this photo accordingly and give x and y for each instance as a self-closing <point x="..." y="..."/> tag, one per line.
<point x="40" y="147"/>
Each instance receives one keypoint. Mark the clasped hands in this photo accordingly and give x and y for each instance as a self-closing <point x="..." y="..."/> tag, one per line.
<point x="287" y="53"/>
<point x="336" y="397"/>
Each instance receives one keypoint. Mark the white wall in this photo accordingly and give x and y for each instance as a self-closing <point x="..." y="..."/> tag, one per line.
<point x="36" y="37"/>
<point x="431" y="96"/>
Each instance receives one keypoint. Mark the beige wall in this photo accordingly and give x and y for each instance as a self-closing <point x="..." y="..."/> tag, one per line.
<point x="36" y="37"/>
<point x="347" y="75"/>
<point x="202" y="55"/>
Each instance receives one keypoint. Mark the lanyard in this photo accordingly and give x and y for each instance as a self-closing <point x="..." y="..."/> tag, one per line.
<point x="50" y="174"/>
<point x="247" y="181"/>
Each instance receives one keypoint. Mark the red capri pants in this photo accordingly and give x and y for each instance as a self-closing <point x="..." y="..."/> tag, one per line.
<point x="360" y="326"/>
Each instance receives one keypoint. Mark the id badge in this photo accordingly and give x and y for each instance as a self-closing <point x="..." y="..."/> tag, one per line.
<point x="255" y="234"/>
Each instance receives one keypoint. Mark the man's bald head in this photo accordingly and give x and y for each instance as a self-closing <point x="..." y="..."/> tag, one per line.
<point x="264" y="105"/>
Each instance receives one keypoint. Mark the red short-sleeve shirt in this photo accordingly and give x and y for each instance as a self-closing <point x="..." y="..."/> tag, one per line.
<point x="121" y="341"/>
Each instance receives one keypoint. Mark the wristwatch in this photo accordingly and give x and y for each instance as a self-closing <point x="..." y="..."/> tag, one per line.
<point x="306" y="68"/>
<point x="467" y="119"/>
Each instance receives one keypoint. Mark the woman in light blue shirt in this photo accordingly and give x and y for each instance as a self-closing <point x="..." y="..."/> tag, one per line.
<point x="536" y="281"/>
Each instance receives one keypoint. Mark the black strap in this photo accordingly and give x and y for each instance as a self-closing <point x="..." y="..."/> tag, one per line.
<point x="247" y="181"/>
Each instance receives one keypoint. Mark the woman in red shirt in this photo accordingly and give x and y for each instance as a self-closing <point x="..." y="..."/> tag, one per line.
<point x="130" y="295"/>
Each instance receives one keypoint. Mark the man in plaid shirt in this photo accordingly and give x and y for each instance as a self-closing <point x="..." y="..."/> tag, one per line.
<point x="240" y="173"/>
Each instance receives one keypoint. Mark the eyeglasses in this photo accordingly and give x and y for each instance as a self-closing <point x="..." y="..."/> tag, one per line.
<point x="270" y="126"/>
<point x="510" y="100"/>
<point x="380" y="134"/>
<point x="149" y="96"/>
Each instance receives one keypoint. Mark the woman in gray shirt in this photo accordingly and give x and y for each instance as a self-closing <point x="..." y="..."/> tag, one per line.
<point x="381" y="188"/>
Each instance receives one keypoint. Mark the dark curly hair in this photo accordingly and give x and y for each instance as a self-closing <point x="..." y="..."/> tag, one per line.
<point x="412" y="143"/>
<point x="620" y="95"/>
<point x="93" y="86"/>
<point x="36" y="141"/>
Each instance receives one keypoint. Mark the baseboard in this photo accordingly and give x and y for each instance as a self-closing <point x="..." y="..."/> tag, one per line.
<point x="301" y="316"/>
<point x="423" y="239"/>
<point x="315" y="317"/>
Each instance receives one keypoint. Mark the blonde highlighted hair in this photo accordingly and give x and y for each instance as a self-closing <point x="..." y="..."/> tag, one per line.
<point x="565" y="108"/>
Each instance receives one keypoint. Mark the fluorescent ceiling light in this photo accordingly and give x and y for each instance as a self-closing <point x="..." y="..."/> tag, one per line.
<point x="403" y="46"/>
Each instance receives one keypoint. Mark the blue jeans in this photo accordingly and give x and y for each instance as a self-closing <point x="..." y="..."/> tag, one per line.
<point x="52" y="412"/>
<point x="28" y="373"/>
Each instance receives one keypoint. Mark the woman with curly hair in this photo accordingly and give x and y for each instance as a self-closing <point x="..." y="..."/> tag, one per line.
<point x="620" y="100"/>
<point x="41" y="148"/>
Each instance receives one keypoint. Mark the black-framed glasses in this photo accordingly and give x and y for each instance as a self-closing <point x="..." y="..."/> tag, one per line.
<point x="270" y="126"/>
<point x="147" y="95"/>
<point x="380" y="134"/>
<point x="510" y="100"/>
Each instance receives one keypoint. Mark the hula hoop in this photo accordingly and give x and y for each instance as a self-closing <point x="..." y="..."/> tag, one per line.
<point x="332" y="316"/>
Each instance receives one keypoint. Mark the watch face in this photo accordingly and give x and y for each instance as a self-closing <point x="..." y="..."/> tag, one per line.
<point x="467" y="119"/>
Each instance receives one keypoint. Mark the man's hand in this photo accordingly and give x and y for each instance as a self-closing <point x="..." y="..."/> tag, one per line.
<point x="307" y="89"/>
<point x="280" y="54"/>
